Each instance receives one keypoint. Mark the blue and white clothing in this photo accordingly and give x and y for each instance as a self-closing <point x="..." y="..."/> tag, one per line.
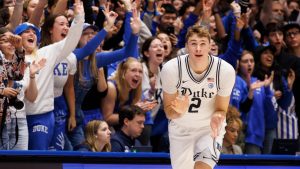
<point x="239" y="92"/>
<point x="255" y="119"/>
<point x="202" y="89"/>
<point x="40" y="115"/>
<point x="146" y="87"/>
<point x="160" y="122"/>
<point x="287" y="126"/>
<point x="61" y="73"/>
<point x="190" y="134"/>
<point x="16" y="121"/>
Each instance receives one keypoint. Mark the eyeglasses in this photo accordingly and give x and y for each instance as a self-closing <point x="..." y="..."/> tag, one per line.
<point x="290" y="34"/>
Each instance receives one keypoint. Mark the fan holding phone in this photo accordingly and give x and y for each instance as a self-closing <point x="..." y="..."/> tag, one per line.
<point x="239" y="6"/>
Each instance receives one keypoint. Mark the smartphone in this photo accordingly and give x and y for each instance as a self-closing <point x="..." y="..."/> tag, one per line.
<point x="170" y="30"/>
<point x="244" y="5"/>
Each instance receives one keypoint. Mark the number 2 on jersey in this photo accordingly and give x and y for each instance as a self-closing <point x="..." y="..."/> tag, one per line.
<point x="196" y="102"/>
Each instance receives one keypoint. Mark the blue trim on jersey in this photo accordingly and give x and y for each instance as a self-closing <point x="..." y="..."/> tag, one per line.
<point x="179" y="72"/>
<point x="206" y="73"/>
<point x="218" y="74"/>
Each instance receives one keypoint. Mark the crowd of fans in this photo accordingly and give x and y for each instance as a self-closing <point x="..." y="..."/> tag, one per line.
<point x="85" y="76"/>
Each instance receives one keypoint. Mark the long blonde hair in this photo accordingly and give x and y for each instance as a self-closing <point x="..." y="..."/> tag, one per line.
<point x="90" y="140"/>
<point x="122" y="83"/>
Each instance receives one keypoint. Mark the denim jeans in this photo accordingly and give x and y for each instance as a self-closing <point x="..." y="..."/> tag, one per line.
<point x="270" y="135"/>
<point x="9" y="135"/>
<point x="74" y="138"/>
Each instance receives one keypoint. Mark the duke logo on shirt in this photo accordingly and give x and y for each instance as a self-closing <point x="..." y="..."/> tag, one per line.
<point x="61" y="69"/>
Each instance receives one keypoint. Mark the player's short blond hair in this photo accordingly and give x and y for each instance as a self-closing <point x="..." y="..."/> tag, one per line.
<point x="200" y="31"/>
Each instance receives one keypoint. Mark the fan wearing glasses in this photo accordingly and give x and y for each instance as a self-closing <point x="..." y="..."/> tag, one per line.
<point x="292" y="37"/>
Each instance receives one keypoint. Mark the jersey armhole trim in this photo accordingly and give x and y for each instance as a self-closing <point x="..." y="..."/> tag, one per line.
<point x="179" y="72"/>
<point x="218" y="75"/>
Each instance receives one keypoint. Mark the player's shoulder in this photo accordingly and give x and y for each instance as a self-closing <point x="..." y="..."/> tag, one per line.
<point x="176" y="59"/>
<point x="223" y="64"/>
<point x="173" y="63"/>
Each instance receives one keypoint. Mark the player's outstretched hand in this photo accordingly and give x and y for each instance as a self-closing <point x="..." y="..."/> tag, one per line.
<point x="215" y="123"/>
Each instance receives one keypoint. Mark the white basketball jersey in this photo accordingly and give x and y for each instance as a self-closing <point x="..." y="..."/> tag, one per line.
<point x="202" y="92"/>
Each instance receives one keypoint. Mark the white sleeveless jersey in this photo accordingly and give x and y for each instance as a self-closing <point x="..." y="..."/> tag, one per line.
<point x="202" y="92"/>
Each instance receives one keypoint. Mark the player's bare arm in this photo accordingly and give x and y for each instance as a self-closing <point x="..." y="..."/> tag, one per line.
<point x="219" y="115"/>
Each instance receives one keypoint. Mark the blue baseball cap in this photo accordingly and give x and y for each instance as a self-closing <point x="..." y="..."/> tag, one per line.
<point x="25" y="26"/>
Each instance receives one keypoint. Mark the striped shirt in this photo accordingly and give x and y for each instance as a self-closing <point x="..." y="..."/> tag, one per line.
<point x="287" y="126"/>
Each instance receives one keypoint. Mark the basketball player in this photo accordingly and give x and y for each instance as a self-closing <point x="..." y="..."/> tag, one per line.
<point x="196" y="91"/>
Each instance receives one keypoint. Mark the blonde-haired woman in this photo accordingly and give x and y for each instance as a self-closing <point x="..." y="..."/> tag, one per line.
<point x="233" y="130"/>
<point x="97" y="137"/>
<point x="124" y="88"/>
